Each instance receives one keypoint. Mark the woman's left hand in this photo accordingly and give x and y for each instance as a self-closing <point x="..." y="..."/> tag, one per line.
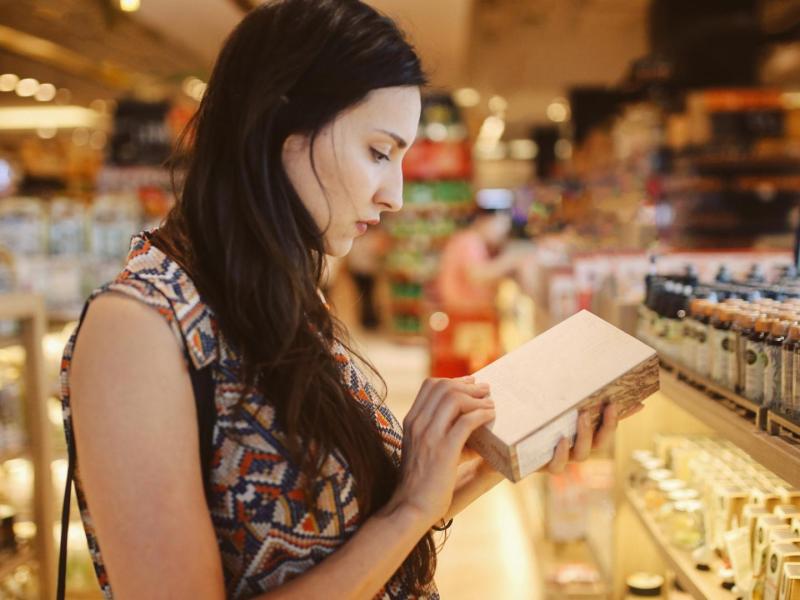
<point x="586" y="440"/>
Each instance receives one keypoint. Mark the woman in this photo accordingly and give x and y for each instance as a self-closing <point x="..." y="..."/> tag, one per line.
<point x="296" y="149"/>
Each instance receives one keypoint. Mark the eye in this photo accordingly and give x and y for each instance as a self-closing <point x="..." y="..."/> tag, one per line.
<point x="379" y="156"/>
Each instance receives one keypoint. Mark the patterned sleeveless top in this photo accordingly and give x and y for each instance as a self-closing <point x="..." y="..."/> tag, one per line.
<point x="265" y="533"/>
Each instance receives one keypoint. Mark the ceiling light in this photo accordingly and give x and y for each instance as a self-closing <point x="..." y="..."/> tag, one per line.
<point x="27" y="87"/>
<point x="558" y="110"/>
<point x="467" y="97"/>
<point x="33" y="117"/>
<point x="8" y="82"/>
<point x="46" y="133"/>
<point x="436" y="132"/>
<point x="46" y="92"/>
<point x="523" y="149"/>
<point x="129" y="5"/>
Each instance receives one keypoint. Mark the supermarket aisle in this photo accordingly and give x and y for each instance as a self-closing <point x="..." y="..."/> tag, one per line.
<point x="488" y="554"/>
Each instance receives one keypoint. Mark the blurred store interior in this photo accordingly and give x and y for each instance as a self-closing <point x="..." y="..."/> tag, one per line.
<point x="636" y="158"/>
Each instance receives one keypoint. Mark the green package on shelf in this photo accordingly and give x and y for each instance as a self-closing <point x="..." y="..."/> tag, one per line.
<point x="418" y="193"/>
<point x="453" y="192"/>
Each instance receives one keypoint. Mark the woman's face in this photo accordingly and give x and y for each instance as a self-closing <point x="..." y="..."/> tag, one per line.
<point x="358" y="158"/>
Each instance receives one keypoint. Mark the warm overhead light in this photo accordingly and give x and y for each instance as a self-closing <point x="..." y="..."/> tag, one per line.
<point x="492" y="129"/>
<point x="436" y="132"/>
<point x="523" y="149"/>
<point x="129" y="5"/>
<point x="488" y="150"/>
<point x="27" y="87"/>
<point x="46" y="92"/>
<point x="194" y="88"/>
<point x="8" y="82"/>
<point x="62" y="117"/>
<point x="46" y="132"/>
<point x="467" y="97"/>
<point x="558" y="110"/>
<point x="498" y="104"/>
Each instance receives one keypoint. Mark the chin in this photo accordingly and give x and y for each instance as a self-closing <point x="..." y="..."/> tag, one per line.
<point x="339" y="248"/>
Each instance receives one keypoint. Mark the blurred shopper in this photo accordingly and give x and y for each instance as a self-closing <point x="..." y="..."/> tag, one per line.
<point x="473" y="264"/>
<point x="223" y="440"/>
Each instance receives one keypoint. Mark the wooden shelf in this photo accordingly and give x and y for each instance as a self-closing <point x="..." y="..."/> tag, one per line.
<point x="10" y="562"/>
<point x="5" y="455"/>
<point x="776" y="454"/>
<point x="700" y="584"/>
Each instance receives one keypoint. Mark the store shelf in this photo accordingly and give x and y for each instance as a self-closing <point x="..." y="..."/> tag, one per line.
<point x="776" y="454"/>
<point x="700" y="584"/>
<point x="12" y="454"/>
<point x="8" y="341"/>
<point x="11" y="562"/>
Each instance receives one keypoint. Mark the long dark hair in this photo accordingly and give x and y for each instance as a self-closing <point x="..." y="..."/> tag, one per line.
<point x="254" y="251"/>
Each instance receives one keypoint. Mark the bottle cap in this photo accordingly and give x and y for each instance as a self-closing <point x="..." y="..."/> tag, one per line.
<point x="764" y="324"/>
<point x="780" y="328"/>
<point x="794" y="332"/>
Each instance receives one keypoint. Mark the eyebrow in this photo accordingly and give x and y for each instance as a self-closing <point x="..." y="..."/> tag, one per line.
<point x="401" y="143"/>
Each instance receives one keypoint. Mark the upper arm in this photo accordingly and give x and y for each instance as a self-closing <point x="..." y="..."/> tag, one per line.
<point x="135" y="427"/>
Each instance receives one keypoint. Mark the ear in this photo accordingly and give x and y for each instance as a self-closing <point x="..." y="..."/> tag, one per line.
<point x="294" y="145"/>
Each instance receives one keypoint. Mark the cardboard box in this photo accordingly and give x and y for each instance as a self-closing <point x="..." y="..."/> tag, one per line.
<point x="795" y="525"/>
<point x="779" y="555"/>
<point x="765" y="497"/>
<point x="750" y="514"/>
<point x="788" y="512"/>
<point x="790" y="583"/>
<point x="764" y="527"/>
<point x="581" y="364"/>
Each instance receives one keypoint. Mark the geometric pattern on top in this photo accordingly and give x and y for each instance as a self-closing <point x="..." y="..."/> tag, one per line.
<point x="265" y="533"/>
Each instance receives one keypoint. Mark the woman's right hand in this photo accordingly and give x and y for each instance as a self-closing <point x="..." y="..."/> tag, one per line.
<point x="444" y="415"/>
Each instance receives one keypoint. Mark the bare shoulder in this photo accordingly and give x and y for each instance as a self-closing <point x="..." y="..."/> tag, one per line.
<point x="135" y="426"/>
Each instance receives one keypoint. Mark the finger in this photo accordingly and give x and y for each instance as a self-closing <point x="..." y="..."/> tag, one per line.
<point x="440" y="391"/>
<point x="424" y="391"/>
<point x="450" y="408"/>
<point x="560" y="457"/>
<point x="468" y="454"/>
<point x="465" y="425"/>
<point x="583" y="439"/>
<point x="606" y="431"/>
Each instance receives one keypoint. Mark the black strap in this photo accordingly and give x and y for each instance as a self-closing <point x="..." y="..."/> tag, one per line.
<point x="203" y="388"/>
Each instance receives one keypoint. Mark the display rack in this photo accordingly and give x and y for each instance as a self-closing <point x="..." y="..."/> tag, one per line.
<point x="29" y="310"/>
<point x="700" y="584"/>
<point x="775" y="453"/>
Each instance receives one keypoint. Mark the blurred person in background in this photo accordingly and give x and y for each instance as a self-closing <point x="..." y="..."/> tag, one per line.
<point x="315" y="490"/>
<point x="473" y="263"/>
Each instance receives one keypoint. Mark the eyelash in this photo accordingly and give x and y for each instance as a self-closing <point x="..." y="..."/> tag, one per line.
<point x="379" y="156"/>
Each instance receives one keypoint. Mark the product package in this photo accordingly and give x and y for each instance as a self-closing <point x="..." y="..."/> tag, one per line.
<point x="581" y="364"/>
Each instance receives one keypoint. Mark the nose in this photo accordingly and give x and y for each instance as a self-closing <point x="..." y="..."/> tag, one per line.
<point x="390" y="195"/>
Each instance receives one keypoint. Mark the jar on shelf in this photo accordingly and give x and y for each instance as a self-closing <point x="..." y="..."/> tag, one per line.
<point x="684" y="527"/>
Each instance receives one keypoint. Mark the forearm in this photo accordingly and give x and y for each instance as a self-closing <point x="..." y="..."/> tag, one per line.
<point x="362" y="566"/>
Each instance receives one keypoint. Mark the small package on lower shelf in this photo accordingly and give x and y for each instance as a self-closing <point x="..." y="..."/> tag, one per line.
<point x="790" y="583"/>
<point x="581" y="364"/>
